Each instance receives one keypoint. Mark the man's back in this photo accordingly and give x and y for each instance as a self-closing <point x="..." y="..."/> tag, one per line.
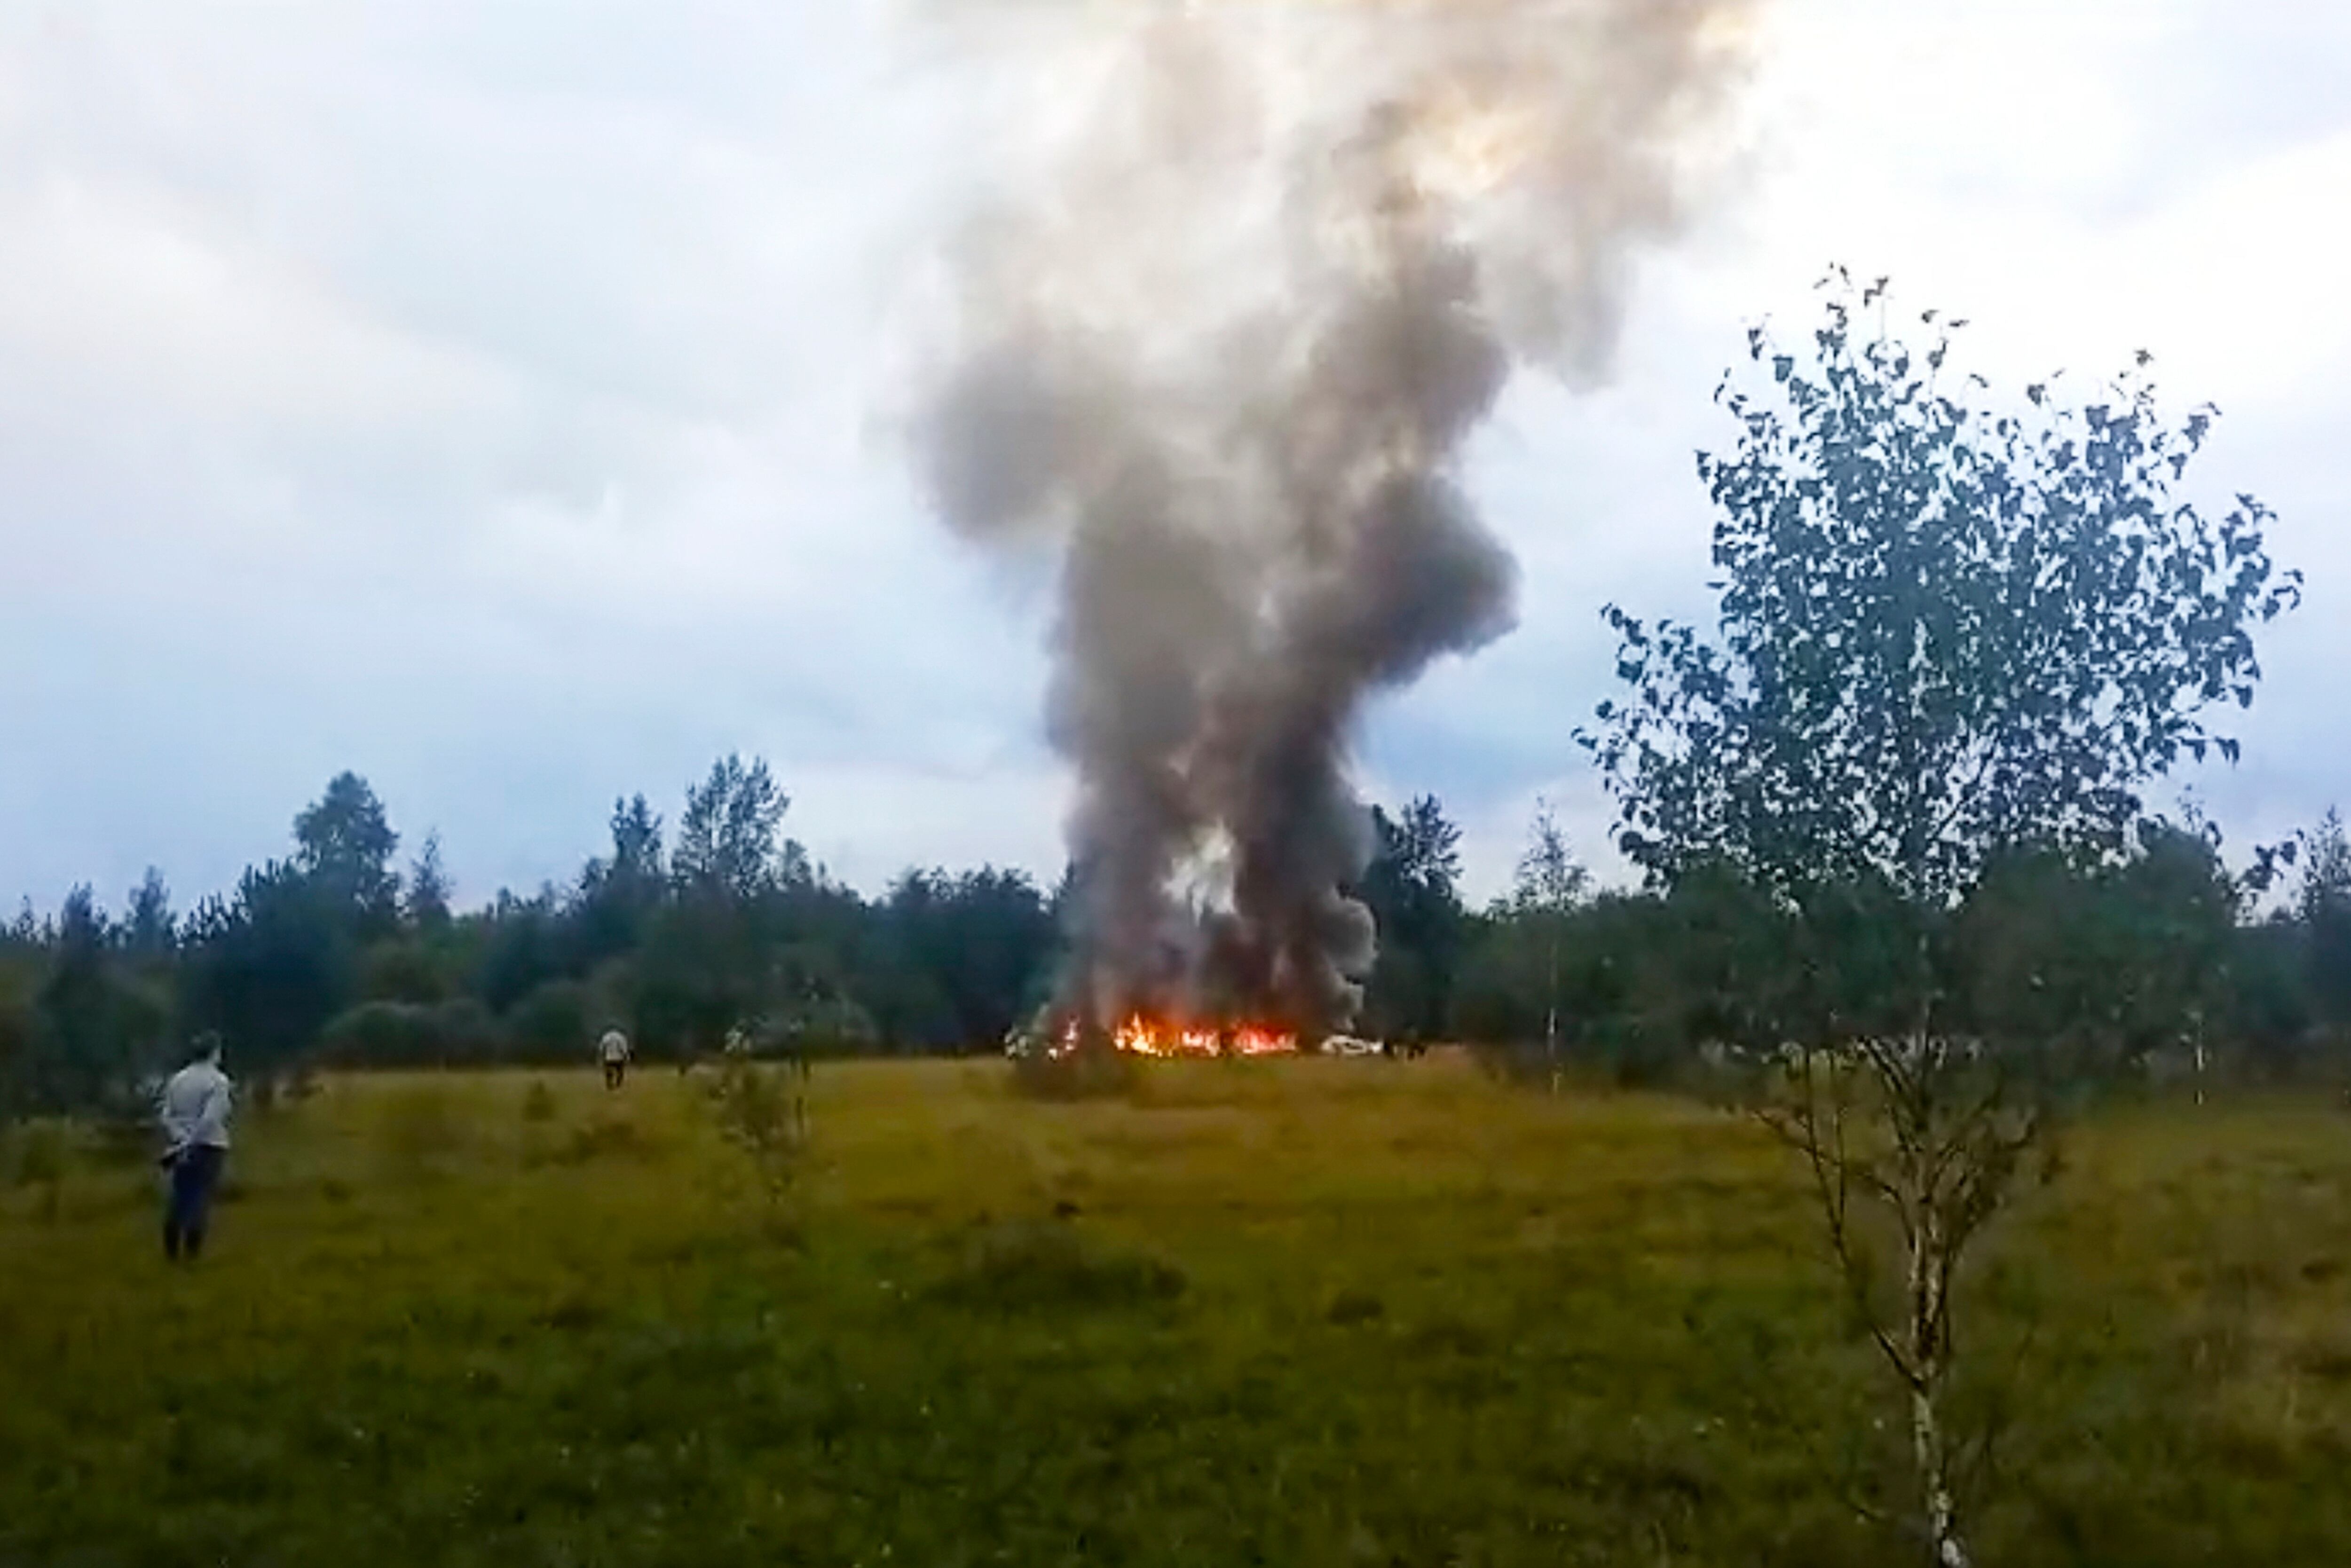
<point x="614" y="1045"/>
<point x="196" y="1109"/>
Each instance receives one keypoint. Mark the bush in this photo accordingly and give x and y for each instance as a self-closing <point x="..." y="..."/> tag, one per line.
<point x="405" y="1034"/>
<point x="1618" y="1054"/>
<point x="471" y="1036"/>
<point x="763" y="1111"/>
<point x="374" y="1034"/>
<point x="550" y="1024"/>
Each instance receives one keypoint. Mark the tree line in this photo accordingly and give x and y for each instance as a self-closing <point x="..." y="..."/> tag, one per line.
<point x="337" y="955"/>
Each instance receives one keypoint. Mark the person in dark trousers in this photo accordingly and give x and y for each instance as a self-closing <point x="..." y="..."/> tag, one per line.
<point x="196" y="1104"/>
<point x="614" y="1051"/>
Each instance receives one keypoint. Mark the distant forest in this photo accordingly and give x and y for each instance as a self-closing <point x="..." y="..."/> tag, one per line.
<point x="342" y="955"/>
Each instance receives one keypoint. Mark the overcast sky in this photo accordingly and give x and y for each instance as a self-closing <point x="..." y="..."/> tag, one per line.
<point x="484" y="397"/>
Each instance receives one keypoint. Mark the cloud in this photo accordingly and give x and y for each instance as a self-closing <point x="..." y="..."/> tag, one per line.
<point x="2136" y="186"/>
<point x="488" y="401"/>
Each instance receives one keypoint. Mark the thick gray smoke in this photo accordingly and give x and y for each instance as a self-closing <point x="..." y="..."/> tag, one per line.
<point x="1219" y="332"/>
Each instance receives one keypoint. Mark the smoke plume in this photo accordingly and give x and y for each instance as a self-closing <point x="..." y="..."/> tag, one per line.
<point x="1219" y="339"/>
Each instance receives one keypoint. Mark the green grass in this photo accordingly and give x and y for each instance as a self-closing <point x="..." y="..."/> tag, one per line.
<point x="1289" y="1313"/>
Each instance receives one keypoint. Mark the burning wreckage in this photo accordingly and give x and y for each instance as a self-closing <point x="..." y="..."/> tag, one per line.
<point x="1139" y="1036"/>
<point x="1243" y="285"/>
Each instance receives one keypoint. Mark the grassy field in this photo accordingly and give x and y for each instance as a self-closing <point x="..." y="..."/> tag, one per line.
<point x="1289" y="1313"/>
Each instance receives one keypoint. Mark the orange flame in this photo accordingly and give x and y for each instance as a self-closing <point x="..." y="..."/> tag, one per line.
<point x="1152" y="1037"/>
<point x="1142" y="1036"/>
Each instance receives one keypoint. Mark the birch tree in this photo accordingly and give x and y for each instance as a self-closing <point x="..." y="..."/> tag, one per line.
<point x="1954" y="629"/>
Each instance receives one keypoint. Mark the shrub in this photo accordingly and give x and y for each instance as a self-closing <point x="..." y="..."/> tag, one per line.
<point x="1630" y="1056"/>
<point x="550" y="1024"/>
<point x="763" y="1111"/>
<point x="406" y="1034"/>
<point x="470" y="1036"/>
<point x="374" y="1034"/>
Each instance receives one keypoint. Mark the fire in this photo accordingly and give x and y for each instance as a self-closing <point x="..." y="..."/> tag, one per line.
<point x="1144" y="1036"/>
<point x="1150" y="1037"/>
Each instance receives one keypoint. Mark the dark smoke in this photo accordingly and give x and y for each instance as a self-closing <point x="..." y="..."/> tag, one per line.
<point x="1225" y="342"/>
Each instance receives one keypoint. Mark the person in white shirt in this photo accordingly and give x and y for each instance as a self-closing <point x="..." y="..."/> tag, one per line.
<point x="613" y="1051"/>
<point x="196" y="1102"/>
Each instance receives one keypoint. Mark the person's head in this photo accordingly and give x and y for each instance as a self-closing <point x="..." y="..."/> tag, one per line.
<point x="208" y="1047"/>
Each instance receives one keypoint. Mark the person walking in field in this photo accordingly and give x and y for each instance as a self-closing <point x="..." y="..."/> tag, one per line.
<point x="196" y="1102"/>
<point x="613" y="1051"/>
